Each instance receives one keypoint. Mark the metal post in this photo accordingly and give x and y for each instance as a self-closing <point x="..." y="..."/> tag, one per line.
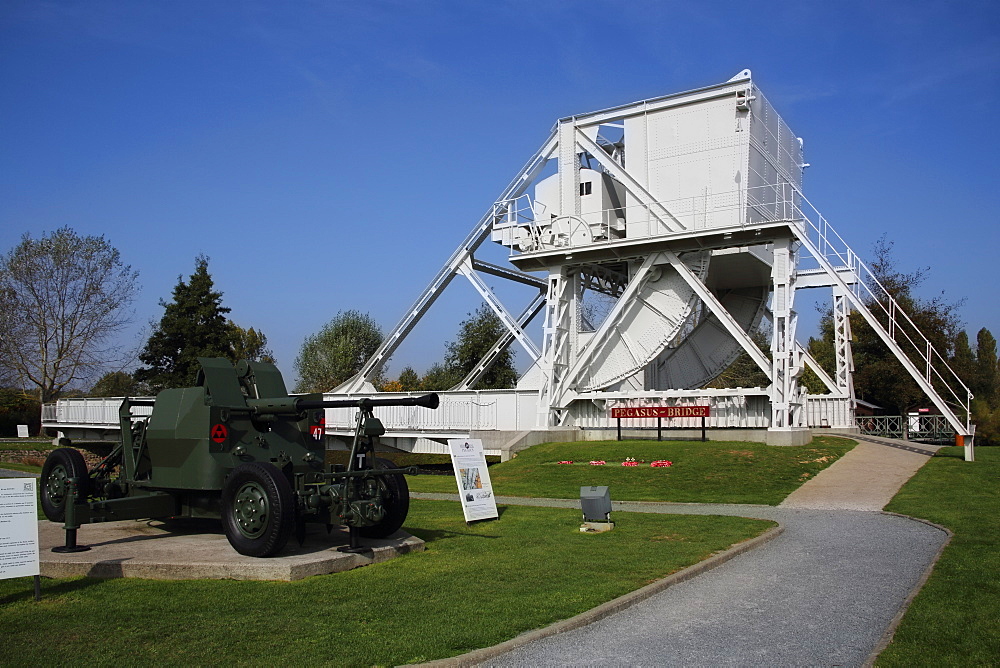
<point x="38" y="588"/>
<point x="619" y="429"/>
<point x="659" y="428"/>
<point x="71" y="524"/>
<point x="703" y="439"/>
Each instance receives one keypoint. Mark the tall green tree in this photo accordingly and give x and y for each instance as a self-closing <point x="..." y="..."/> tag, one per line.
<point x="963" y="360"/>
<point x="337" y="352"/>
<point x="63" y="298"/>
<point x="440" y="377"/>
<point x="193" y="325"/>
<point x="409" y="381"/>
<point x="250" y="344"/>
<point x="18" y="407"/>
<point x="985" y="385"/>
<point x="118" y="384"/>
<point x="986" y="380"/>
<point x="476" y="335"/>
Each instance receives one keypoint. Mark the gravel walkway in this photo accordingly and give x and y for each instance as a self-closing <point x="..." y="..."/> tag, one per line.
<point x="823" y="593"/>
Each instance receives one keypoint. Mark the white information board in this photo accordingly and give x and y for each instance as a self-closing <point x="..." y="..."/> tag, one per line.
<point x="18" y="528"/>
<point x="473" y="478"/>
<point x="22" y="431"/>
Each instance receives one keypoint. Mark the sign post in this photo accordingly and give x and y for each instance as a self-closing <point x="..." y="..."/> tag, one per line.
<point x="474" y="487"/>
<point x="19" y="530"/>
<point x="660" y="412"/>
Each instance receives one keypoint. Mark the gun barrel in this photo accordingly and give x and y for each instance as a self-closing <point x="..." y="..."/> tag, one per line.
<point x="426" y="401"/>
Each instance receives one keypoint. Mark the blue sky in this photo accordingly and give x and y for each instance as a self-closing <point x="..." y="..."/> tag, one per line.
<point x="331" y="155"/>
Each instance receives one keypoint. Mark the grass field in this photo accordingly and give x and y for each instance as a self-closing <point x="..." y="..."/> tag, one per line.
<point x="955" y="619"/>
<point x="712" y="472"/>
<point x="474" y="586"/>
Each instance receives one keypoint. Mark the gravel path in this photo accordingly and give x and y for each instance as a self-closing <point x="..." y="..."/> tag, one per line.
<point x="823" y="593"/>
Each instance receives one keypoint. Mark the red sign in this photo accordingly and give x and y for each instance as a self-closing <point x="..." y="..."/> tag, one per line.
<point x="220" y="433"/>
<point x="661" y="411"/>
<point x="316" y="431"/>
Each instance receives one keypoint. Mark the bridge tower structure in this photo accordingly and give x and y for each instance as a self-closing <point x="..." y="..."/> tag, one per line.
<point x="662" y="236"/>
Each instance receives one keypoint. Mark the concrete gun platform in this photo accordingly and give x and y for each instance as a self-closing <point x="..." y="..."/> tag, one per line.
<point x="187" y="549"/>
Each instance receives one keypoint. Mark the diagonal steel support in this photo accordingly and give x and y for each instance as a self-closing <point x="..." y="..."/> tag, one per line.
<point x="819" y="370"/>
<point x="660" y="212"/>
<point x="890" y="342"/>
<point x="509" y="321"/>
<point x="607" y="327"/>
<point x="476" y="237"/>
<point x="484" y="365"/>
<point x="720" y="312"/>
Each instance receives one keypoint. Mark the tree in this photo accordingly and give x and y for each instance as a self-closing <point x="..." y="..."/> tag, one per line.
<point x="440" y="377"/>
<point x="337" y="352"/>
<point x="409" y="381"/>
<point x="963" y="360"/>
<point x="17" y="407"/>
<point x="985" y="380"/>
<point x="63" y="298"/>
<point x="249" y="344"/>
<point x="118" y="384"/>
<point x="193" y="325"/>
<point x="476" y="335"/>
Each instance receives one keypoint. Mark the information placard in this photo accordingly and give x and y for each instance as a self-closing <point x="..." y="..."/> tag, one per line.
<point x="18" y="528"/>
<point x="474" y="486"/>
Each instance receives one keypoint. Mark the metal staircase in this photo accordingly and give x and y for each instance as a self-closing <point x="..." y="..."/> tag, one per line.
<point x="869" y="297"/>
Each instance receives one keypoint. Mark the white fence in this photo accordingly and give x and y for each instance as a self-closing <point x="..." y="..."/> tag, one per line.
<point x="101" y="412"/>
<point x="488" y="410"/>
<point x="500" y="410"/>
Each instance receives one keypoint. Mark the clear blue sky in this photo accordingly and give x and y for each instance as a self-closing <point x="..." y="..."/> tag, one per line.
<point x="331" y="155"/>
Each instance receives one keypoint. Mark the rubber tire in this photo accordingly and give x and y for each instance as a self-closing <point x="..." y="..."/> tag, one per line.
<point x="397" y="502"/>
<point x="60" y="465"/>
<point x="279" y="509"/>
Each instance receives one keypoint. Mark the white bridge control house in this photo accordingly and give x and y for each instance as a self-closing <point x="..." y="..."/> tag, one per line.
<point x="656" y="239"/>
<point x="684" y="216"/>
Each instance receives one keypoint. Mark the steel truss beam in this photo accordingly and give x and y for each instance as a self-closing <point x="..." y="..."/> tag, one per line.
<point x="509" y="321"/>
<point x="525" y="177"/>
<point x="484" y="365"/>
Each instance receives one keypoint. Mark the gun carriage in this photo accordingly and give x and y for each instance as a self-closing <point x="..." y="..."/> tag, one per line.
<point x="239" y="448"/>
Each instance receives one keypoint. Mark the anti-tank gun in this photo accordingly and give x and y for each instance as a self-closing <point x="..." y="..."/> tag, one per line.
<point x="239" y="448"/>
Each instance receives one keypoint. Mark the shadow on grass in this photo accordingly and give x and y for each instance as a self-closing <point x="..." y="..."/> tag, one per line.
<point x="431" y="535"/>
<point x="952" y="452"/>
<point x="50" y="588"/>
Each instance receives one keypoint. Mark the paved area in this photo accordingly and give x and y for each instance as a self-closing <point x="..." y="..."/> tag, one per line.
<point x="824" y="592"/>
<point x="197" y="549"/>
<point x="866" y="479"/>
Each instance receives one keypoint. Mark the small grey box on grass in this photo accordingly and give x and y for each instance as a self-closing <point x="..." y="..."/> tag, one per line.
<point x="595" y="502"/>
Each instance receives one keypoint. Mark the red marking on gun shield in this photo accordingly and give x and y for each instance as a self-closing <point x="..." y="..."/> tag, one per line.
<point x="316" y="431"/>
<point x="220" y="433"/>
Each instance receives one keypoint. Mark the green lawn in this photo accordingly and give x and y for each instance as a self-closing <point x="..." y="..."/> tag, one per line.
<point x="712" y="472"/>
<point x="955" y="619"/>
<point x="474" y="586"/>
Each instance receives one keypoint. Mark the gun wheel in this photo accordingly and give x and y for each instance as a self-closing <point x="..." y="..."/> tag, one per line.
<point x="396" y="498"/>
<point x="258" y="509"/>
<point x="61" y="465"/>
